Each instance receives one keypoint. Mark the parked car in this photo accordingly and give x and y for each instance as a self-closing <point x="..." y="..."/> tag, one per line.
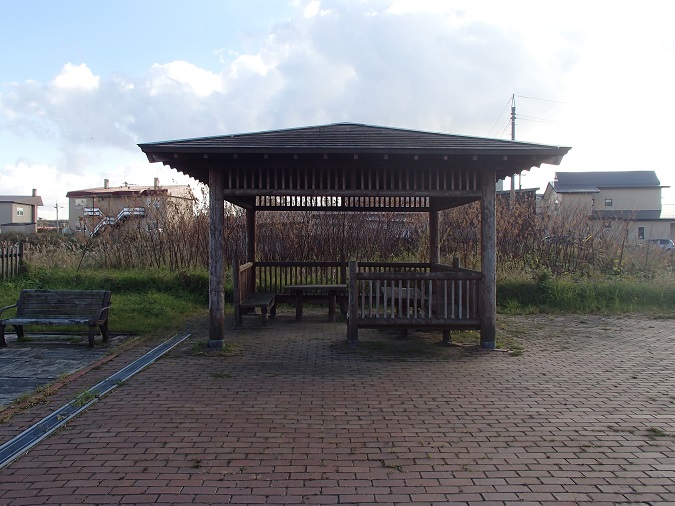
<point x="664" y="244"/>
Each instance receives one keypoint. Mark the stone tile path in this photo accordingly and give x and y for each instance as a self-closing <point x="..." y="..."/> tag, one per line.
<point x="292" y="416"/>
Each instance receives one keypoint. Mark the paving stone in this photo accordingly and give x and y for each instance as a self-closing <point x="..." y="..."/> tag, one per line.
<point x="294" y="416"/>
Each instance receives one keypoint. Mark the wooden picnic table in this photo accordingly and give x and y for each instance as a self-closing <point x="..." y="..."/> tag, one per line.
<point x="317" y="293"/>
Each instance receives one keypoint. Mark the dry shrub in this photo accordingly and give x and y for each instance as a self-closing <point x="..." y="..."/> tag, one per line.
<point x="527" y="241"/>
<point x="330" y="236"/>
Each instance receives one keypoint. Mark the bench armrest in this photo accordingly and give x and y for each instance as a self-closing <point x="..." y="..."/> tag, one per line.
<point x="8" y="307"/>
<point x="100" y="313"/>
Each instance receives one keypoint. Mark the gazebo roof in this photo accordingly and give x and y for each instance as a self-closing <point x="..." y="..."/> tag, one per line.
<point x="345" y="160"/>
<point x="350" y="138"/>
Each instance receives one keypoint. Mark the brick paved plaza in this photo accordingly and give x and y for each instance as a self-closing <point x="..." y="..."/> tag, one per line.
<point x="292" y="416"/>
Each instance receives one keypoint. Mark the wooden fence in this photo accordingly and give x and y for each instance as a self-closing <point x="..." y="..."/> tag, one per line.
<point x="11" y="260"/>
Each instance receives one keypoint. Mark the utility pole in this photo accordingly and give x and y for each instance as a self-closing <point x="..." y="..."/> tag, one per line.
<point x="513" y="117"/>
<point x="513" y="138"/>
<point x="56" y="206"/>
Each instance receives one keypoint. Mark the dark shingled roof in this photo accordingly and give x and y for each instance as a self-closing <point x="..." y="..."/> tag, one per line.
<point x="591" y="182"/>
<point x="349" y="138"/>
<point x="22" y="199"/>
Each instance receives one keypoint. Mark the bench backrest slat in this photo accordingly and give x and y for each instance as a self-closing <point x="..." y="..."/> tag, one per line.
<point x="62" y="302"/>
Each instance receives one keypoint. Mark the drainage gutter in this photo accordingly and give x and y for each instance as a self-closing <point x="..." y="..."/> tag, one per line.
<point x="19" y="445"/>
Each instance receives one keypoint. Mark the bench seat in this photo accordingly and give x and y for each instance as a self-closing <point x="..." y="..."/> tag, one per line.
<point x="265" y="301"/>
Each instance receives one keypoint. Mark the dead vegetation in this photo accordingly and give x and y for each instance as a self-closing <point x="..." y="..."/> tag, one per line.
<point x="528" y="241"/>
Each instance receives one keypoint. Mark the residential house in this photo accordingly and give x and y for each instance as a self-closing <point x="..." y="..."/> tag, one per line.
<point x="19" y="213"/>
<point x="615" y="198"/>
<point x="92" y="210"/>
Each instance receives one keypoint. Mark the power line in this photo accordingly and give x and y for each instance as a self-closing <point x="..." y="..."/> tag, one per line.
<point x="504" y="128"/>
<point x="534" y="118"/>
<point x="500" y="117"/>
<point x="544" y="99"/>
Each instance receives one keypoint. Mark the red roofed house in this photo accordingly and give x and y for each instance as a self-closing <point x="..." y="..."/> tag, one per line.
<point x="94" y="209"/>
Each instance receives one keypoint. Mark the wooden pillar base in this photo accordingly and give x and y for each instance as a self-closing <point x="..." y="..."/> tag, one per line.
<point x="215" y="344"/>
<point x="488" y="345"/>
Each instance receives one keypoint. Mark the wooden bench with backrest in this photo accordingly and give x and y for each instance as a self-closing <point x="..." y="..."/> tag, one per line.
<point x="59" y="307"/>
<point x="245" y="296"/>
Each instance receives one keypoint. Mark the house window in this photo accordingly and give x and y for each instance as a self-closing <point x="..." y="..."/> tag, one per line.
<point x="19" y="211"/>
<point x="641" y="232"/>
<point x="608" y="202"/>
<point x="81" y="202"/>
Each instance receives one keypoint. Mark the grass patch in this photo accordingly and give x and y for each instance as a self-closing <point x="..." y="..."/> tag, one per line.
<point x="655" y="432"/>
<point x="144" y="302"/>
<point x="83" y="398"/>
<point x="604" y="295"/>
<point x="221" y="375"/>
<point x="228" y="349"/>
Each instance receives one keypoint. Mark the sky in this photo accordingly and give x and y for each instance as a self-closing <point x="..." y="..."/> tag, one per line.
<point x="82" y="82"/>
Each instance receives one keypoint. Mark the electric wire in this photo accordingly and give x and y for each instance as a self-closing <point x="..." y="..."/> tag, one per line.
<point x="500" y="117"/>
<point x="543" y="99"/>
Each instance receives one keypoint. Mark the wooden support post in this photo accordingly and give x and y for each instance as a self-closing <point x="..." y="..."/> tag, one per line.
<point x="352" y="327"/>
<point x="216" y="258"/>
<point x="434" y="241"/>
<point x="488" y="295"/>
<point x="250" y="235"/>
<point x="236" y="292"/>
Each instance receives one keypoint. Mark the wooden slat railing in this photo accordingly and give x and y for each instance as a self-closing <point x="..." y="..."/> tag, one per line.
<point x="381" y="294"/>
<point x="11" y="259"/>
<point x="443" y="297"/>
<point x="272" y="277"/>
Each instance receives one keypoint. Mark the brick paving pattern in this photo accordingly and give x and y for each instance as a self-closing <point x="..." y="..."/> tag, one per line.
<point x="293" y="416"/>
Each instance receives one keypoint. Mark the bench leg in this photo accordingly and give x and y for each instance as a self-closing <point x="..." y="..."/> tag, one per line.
<point x="92" y="333"/>
<point x="332" y="296"/>
<point x="263" y="312"/>
<point x="237" y="316"/>
<point x="104" y="331"/>
<point x="298" y="305"/>
<point x="273" y="310"/>
<point x="3" y="343"/>
<point x="19" y="331"/>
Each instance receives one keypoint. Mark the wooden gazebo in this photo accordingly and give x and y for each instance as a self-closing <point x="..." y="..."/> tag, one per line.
<point x="362" y="168"/>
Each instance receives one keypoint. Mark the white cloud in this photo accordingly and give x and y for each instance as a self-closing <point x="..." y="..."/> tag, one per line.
<point x="249" y="64"/>
<point x="76" y="77"/>
<point x="312" y="9"/>
<point x="433" y="65"/>
<point x="166" y="77"/>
